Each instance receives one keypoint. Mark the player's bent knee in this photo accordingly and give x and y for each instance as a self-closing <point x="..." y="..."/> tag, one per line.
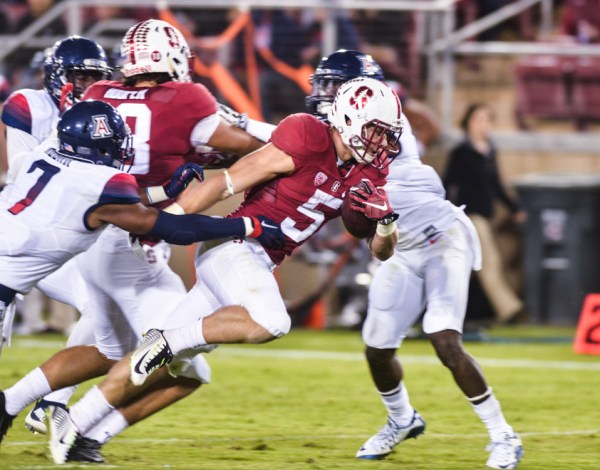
<point x="195" y="367"/>
<point x="276" y="323"/>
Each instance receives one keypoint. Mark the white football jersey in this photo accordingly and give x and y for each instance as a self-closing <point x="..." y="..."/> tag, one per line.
<point x="417" y="195"/>
<point x="42" y="214"/>
<point x="30" y="117"/>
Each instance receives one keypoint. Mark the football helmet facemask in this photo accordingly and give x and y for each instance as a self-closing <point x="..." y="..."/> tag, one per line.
<point x="75" y="60"/>
<point x="154" y="46"/>
<point x="94" y="132"/>
<point x="367" y="114"/>
<point x="332" y="71"/>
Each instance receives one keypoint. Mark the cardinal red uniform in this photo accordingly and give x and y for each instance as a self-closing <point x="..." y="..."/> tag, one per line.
<point x="164" y="120"/>
<point x="312" y="195"/>
<point x="239" y="272"/>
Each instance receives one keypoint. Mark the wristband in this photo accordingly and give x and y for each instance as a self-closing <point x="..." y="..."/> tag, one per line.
<point x="175" y="209"/>
<point x="260" y="130"/>
<point x="386" y="230"/>
<point x="228" y="183"/>
<point x="156" y="194"/>
<point x="248" y="224"/>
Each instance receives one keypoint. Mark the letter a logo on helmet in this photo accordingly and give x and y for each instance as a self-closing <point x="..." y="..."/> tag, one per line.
<point x="101" y="127"/>
<point x="361" y="97"/>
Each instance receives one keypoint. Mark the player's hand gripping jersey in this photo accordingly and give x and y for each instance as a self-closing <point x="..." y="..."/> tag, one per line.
<point x="305" y="200"/>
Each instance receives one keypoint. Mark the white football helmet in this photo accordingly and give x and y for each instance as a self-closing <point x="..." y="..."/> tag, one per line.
<point x="366" y="113"/>
<point x="154" y="46"/>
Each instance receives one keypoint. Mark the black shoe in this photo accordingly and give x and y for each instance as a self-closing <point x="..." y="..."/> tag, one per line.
<point x="85" y="450"/>
<point x="5" y="419"/>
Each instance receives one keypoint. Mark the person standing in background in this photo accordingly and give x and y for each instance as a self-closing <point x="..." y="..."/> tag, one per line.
<point x="472" y="179"/>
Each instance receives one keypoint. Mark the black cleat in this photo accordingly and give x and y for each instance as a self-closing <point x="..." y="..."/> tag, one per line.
<point x="85" y="450"/>
<point x="5" y="419"/>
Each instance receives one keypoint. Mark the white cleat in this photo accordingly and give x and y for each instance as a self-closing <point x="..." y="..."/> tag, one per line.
<point x="63" y="434"/>
<point x="153" y="353"/>
<point x="381" y="444"/>
<point x="505" y="453"/>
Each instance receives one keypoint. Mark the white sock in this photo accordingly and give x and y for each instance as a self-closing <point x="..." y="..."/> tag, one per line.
<point x="30" y="388"/>
<point x="491" y="416"/>
<point x="88" y="411"/>
<point x="398" y="404"/>
<point x="186" y="337"/>
<point x="61" y="396"/>
<point x="111" y="425"/>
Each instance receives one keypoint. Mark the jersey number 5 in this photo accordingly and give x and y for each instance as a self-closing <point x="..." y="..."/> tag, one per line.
<point x="48" y="171"/>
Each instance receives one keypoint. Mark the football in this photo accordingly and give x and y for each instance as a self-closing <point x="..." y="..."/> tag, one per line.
<point x="356" y="223"/>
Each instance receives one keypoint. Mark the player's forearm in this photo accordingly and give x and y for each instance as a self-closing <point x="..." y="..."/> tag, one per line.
<point x="383" y="242"/>
<point x="187" y="229"/>
<point x="200" y="197"/>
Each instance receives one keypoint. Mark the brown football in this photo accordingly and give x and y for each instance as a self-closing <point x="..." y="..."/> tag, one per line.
<point x="355" y="222"/>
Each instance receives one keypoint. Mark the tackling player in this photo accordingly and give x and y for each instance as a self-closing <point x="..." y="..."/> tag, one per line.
<point x="170" y="117"/>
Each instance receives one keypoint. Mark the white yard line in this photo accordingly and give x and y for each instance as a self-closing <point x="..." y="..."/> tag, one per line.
<point x="430" y="435"/>
<point x="298" y="354"/>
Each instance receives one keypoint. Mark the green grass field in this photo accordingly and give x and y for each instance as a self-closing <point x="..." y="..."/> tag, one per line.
<point x="307" y="402"/>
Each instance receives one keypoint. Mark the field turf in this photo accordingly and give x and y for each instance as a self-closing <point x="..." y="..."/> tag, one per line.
<point x="307" y="402"/>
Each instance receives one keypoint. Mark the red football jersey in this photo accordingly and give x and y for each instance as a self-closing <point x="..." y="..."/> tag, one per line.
<point x="310" y="196"/>
<point x="161" y="119"/>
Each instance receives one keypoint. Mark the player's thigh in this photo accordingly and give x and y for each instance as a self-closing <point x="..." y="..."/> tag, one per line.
<point x="67" y="286"/>
<point x="395" y="302"/>
<point x="113" y="336"/>
<point x="447" y="274"/>
<point x="236" y="275"/>
<point x="143" y="291"/>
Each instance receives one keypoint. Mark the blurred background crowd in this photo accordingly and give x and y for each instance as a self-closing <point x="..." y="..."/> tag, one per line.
<point x="532" y="112"/>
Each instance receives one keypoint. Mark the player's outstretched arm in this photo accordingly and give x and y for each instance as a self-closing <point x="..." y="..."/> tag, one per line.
<point x="184" y="229"/>
<point x="260" y="166"/>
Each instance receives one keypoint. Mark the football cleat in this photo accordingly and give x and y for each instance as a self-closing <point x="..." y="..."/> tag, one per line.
<point x="5" y="419"/>
<point x="153" y="353"/>
<point x="505" y="453"/>
<point x="63" y="434"/>
<point x="85" y="450"/>
<point x="381" y="444"/>
<point x="37" y="418"/>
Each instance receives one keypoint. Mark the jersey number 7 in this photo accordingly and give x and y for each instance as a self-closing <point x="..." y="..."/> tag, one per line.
<point x="48" y="171"/>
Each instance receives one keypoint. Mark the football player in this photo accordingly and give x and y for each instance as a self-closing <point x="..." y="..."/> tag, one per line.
<point x="170" y="118"/>
<point x="299" y="179"/>
<point x="30" y="116"/>
<point x="436" y="238"/>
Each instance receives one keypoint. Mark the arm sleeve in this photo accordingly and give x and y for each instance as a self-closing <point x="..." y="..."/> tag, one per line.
<point x="190" y="228"/>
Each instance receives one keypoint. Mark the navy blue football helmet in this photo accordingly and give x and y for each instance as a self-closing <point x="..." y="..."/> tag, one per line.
<point x="332" y="72"/>
<point x="94" y="132"/>
<point x="76" y="60"/>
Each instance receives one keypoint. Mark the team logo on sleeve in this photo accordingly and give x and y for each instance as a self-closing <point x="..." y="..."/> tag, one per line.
<point x="101" y="127"/>
<point x="361" y="97"/>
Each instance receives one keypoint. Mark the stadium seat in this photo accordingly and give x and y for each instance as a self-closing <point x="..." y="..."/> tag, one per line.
<point x="542" y="89"/>
<point x="586" y="90"/>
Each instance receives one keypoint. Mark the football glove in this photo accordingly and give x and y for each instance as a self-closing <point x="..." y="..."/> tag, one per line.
<point x="181" y="178"/>
<point x="267" y="232"/>
<point x="372" y="202"/>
